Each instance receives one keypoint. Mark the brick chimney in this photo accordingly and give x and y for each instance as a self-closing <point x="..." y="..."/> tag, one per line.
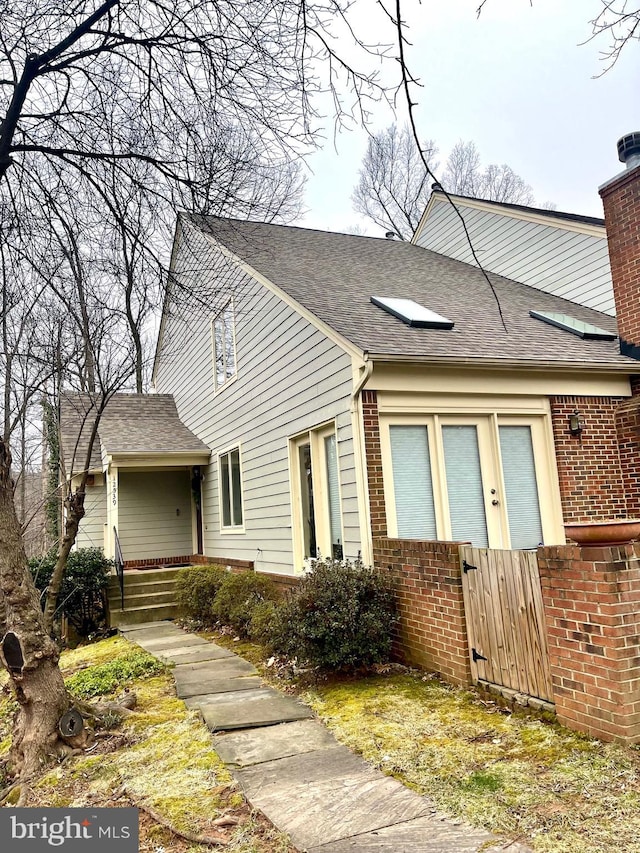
<point x="621" y="200"/>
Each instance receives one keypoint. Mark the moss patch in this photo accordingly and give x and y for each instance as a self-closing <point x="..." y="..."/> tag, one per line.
<point x="511" y="773"/>
<point x="105" y="678"/>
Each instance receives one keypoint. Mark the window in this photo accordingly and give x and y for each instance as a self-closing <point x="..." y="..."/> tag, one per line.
<point x="576" y="327"/>
<point x="471" y="478"/>
<point x="315" y="478"/>
<point x="230" y="490"/>
<point x="412" y="313"/>
<point x="224" y="346"/>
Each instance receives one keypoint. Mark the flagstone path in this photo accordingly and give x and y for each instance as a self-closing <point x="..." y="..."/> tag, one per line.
<point x="291" y="767"/>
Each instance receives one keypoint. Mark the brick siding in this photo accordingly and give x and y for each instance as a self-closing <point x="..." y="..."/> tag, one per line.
<point x="592" y="610"/>
<point x="183" y="560"/>
<point x="592" y="485"/>
<point x="621" y="200"/>
<point x="374" y="463"/>
<point x="628" y="430"/>
<point x="432" y="631"/>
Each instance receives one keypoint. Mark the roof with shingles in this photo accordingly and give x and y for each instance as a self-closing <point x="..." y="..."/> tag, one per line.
<point x="334" y="275"/>
<point x="130" y="423"/>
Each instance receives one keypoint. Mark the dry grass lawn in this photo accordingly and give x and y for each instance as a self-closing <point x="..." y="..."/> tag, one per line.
<point x="516" y="774"/>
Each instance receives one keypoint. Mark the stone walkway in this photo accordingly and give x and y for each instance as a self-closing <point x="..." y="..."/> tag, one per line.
<point x="291" y="768"/>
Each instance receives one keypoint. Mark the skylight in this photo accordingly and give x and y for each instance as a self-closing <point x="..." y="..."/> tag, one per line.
<point x="412" y="313"/>
<point x="575" y="327"/>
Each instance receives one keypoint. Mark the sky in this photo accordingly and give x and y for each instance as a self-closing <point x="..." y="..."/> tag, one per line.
<point x="522" y="81"/>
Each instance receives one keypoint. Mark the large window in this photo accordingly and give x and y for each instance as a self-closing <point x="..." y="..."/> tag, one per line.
<point x="224" y="346"/>
<point x="470" y="478"/>
<point x="230" y="490"/>
<point x="315" y="477"/>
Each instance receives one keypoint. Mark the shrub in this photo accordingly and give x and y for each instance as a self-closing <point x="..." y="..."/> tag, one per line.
<point x="238" y="598"/>
<point x="340" y="617"/>
<point x="82" y="597"/>
<point x="264" y="623"/>
<point x="196" y="588"/>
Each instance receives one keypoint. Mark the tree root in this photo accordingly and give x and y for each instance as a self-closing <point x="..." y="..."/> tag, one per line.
<point x="208" y="840"/>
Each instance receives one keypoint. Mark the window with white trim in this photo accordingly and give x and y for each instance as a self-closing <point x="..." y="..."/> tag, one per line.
<point x="315" y="477"/>
<point x="224" y="345"/>
<point x="231" y="514"/>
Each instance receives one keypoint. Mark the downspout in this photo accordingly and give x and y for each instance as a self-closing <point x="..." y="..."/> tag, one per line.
<point x="367" y="370"/>
<point x="357" y="419"/>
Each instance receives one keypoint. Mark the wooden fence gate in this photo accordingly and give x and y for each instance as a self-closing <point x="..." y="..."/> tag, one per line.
<point x="505" y="620"/>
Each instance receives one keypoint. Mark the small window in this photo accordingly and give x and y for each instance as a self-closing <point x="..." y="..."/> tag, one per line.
<point x="230" y="489"/>
<point x="412" y="313"/>
<point x="576" y="327"/>
<point x="224" y="346"/>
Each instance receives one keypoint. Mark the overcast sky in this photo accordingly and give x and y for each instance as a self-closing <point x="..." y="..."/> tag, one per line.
<point x="520" y="82"/>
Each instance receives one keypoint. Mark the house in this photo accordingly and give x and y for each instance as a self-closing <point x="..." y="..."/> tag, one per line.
<point x="351" y="388"/>
<point x="317" y="391"/>
<point x="349" y="396"/>
<point x="561" y="253"/>
<point x="143" y="489"/>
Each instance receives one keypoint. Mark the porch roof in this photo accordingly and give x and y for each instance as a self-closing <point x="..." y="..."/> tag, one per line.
<point x="132" y="424"/>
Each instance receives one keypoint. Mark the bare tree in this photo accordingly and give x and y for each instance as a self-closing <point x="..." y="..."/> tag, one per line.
<point x="464" y="175"/>
<point x="394" y="184"/>
<point x="619" y="21"/>
<point x="103" y="107"/>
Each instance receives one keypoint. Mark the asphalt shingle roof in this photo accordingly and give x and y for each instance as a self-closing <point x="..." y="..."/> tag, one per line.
<point x="334" y="275"/>
<point x="130" y="423"/>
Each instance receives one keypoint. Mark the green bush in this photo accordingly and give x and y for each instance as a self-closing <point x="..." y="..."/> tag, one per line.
<point x="238" y="598"/>
<point x="196" y="588"/>
<point x="82" y="593"/>
<point x="264" y="623"/>
<point x="340" y="617"/>
<point x="106" y="678"/>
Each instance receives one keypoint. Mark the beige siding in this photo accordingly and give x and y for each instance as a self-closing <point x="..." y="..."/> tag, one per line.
<point x="290" y="378"/>
<point x="551" y="257"/>
<point x="154" y="514"/>
<point x="91" y="530"/>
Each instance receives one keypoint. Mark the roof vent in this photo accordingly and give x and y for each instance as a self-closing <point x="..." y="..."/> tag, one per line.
<point x="390" y="235"/>
<point x="587" y="331"/>
<point x="412" y="313"/>
<point x="629" y="150"/>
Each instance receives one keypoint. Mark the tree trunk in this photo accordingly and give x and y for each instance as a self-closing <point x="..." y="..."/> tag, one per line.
<point x="28" y="653"/>
<point x="74" y="504"/>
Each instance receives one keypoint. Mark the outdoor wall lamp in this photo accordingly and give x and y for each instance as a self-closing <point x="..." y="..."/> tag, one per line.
<point x="575" y="424"/>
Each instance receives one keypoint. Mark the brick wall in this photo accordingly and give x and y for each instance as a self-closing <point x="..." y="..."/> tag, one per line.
<point x="621" y="200"/>
<point x="592" y="610"/>
<point x="432" y="631"/>
<point x="628" y="430"/>
<point x="183" y="560"/>
<point x="374" y="463"/>
<point x="284" y="583"/>
<point x="592" y="485"/>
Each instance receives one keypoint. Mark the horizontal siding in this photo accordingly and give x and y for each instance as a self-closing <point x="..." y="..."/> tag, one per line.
<point x="290" y="378"/>
<point x="91" y="530"/>
<point x="565" y="263"/>
<point x="154" y="514"/>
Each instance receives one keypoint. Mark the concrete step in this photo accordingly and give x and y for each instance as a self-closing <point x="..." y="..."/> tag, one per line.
<point x="145" y="575"/>
<point x="143" y="599"/>
<point x="139" y="587"/>
<point x="138" y="615"/>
